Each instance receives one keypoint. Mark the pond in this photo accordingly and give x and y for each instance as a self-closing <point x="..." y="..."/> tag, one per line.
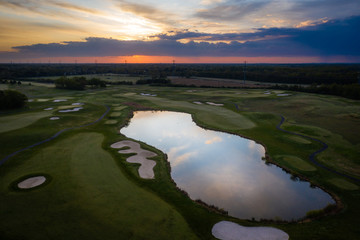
<point x="225" y="170"/>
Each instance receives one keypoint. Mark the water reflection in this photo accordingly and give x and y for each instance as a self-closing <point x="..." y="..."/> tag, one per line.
<point x="224" y="170"/>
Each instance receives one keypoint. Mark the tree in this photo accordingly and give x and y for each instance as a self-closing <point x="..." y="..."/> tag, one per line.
<point x="10" y="99"/>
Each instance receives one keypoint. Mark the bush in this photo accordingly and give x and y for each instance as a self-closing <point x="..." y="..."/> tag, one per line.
<point x="76" y="83"/>
<point x="317" y="213"/>
<point x="10" y="99"/>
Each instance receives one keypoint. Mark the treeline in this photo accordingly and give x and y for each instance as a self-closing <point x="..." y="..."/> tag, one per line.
<point x="78" y="83"/>
<point x="10" y="99"/>
<point x="276" y="73"/>
<point x="351" y="91"/>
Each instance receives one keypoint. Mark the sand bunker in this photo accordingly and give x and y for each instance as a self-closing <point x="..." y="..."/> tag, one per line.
<point x="215" y="104"/>
<point x="199" y="103"/>
<point x="32" y="182"/>
<point x="48" y="109"/>
<point x="146" y="168"/>
<point x="30" y="100"/>
<point x="60" y="100"/>
<point x="148" y="94"/>
<point x="283" y="95"/>
<point x="225" y="230"/>
<point x="77" y="104"/>
<point x="54" y="118"/>
<point x="71" y="110"/>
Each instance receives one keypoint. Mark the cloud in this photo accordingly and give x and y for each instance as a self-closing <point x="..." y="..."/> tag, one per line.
<point x="146" y="11"/>
<point x="333" y="38"/>
<point x="74" y="7"/>
<point x="29" y="5"/>
<point x="50" y="8"/>
<point x="213" y="140"/>
<point x="325" y="8"/>
<point x="231" y="10"/>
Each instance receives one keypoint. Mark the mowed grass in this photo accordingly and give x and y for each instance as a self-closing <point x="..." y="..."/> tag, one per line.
<point x="88" y="198"/>
<point x="262" y="111"/>
<point x="343" y="184"/>
<point x="211" y="116"/>
<point x="296" y="162"/>
<point x="17" y="121"/>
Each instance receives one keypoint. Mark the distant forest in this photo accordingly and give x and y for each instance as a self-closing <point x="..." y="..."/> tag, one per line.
<point x="275" y="73"/>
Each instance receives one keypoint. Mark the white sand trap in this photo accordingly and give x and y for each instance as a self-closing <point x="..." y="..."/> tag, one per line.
<point x="32" y="182"/>
<point x="267" y="93"/>
<point x="146" y="168"/>
<point x="215" y="104"/>
<point x="199" y="103"/>
<point x="54" y="118"/>
<point x="30" y="100"/>
<point x="148" y="94"/>
<point x="283" y="95"/>
<point x="71" y="110"/>
<point x="77" y="104"/>
<point x="60" y="100"/>
<point x="225" y="230"/>
<point x="48" y="109"/>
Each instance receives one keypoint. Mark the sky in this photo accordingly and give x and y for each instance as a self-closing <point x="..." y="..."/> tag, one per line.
<point x="186" y="31"/>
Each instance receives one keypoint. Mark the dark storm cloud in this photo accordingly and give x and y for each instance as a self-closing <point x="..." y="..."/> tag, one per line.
<point x="329" y="6"/>
<point x="334" y="38"/>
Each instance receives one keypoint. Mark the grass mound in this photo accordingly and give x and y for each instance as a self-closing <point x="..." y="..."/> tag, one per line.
<point x="297" y="163"/>
<point x="89" y="198"/>
<point x="343" y="184"/>
<point x="17" y="121"/>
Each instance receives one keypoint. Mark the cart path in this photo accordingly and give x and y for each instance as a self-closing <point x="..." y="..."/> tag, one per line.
<point x="313" y="155"/>
<point x="53" y="137"/>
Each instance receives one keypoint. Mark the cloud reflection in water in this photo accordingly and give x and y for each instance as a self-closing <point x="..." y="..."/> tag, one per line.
<point x="224" y="170"/>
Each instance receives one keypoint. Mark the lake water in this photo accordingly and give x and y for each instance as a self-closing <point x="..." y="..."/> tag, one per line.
<point x="225" y="170"/>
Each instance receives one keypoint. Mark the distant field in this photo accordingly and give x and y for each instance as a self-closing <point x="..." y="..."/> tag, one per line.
<point x="214" y="82"/>
<point x="104" y="77"/>
<point x="221" y="82"/>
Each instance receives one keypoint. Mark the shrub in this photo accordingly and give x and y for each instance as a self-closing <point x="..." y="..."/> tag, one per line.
<point x="10" y="99"/>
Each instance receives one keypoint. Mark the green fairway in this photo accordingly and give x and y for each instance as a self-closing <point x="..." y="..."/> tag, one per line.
<point x="16" y="121"/>
<point x="343" y="184"/>
<point x="297" y="163"/>
<point x="110" y="122"/>
<point x="214" y="116"/>
<point x="87" y="193"/>
<point x="299" y="139"/>
<point x="94" y="193"/>
<point x="115" y="114"/>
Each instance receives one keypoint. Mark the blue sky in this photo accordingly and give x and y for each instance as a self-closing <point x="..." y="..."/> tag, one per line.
<point x="312" y="30"/>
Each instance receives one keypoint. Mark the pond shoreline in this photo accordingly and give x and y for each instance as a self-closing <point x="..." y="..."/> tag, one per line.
<point x="338" y="203"/>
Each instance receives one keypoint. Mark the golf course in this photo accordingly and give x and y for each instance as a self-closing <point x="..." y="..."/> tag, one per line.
<point x="67" y="171"/>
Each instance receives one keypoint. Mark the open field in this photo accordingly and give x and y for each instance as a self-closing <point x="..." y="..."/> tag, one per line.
<point x="113" y="78"/>
<point x="94" y="193"/>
